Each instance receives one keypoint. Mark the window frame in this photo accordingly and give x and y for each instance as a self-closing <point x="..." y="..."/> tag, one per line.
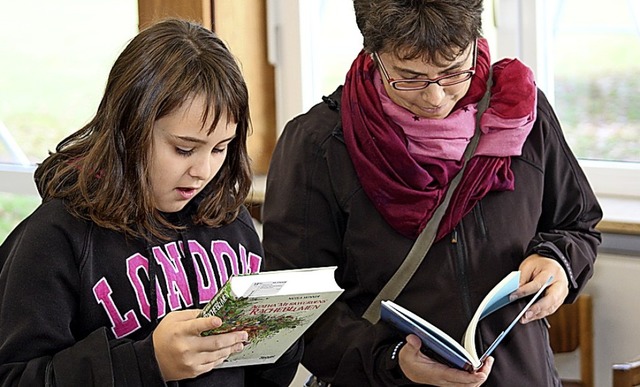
<point x="520" y="32"/>
<point x="17" y="179"/>
<point x="523" y="31"/>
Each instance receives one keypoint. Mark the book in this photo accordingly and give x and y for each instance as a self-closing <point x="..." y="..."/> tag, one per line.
<point x="275" y="308"/>
<point x="441" y="347"/>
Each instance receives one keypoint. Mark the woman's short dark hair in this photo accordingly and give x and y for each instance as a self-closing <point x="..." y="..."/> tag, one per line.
<point x="411" y="29"/>
<point x="101" y="171"/>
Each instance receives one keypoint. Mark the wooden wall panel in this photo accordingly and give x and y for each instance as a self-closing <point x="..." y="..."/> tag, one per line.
<point x="196" y="10"/>
<point x="243" y="26"/>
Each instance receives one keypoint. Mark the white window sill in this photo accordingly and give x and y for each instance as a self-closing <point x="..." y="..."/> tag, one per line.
<point x="620" y="215"/>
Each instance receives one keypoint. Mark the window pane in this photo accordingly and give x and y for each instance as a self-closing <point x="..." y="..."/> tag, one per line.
<point x="335" y="42"/>
<point x="55" y="57"/>
<point x="14" y="208"/>
<point x="597" y="76"/>
<point x="337" y="47"/>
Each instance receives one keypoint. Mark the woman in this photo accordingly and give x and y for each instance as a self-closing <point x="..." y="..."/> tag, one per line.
<point x="142" y="221"/>
<point x="354" y="181"/>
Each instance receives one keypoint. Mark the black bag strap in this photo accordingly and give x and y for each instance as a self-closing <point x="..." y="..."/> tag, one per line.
<point x="422" y="245"/>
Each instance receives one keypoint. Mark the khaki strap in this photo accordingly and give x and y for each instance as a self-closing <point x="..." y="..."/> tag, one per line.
<point x="422" y="245"/>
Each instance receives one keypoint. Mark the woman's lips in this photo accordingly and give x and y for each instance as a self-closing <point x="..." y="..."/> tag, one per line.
<point x="432" y="110"/>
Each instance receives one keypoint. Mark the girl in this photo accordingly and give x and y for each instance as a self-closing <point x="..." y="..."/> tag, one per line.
<point x="142" y="221"/>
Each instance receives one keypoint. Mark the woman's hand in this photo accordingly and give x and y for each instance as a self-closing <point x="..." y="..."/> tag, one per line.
<point x="535" y="271"/>
<point x="421" y="369"/>
<point x="182" y="353"/>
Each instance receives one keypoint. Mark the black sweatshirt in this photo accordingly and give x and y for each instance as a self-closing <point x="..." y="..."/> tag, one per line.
<point x="76" y="299"/>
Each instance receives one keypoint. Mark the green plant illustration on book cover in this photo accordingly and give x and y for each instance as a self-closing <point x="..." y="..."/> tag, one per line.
<point x="237" y="315"/>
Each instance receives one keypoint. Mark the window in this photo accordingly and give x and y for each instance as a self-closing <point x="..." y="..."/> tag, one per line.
<point x="578" y="49"/>
<point x="596" y="63"/>
<point x="310" y="40"/>
<point x="586" y="57"/>
<point x="55" y="58"/>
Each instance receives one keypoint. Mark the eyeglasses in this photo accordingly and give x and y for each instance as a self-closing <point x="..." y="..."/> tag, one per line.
<point x="423" y="83"/>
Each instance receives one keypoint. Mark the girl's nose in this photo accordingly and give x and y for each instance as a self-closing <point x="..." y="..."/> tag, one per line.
<point x="201" y="168"/>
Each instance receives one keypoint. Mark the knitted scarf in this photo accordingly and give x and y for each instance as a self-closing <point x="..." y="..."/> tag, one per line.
<point x="405" y="173"/>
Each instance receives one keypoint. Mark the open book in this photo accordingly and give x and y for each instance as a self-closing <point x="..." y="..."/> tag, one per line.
<point x="274" y="308"/>
<point x="440" y="346"/>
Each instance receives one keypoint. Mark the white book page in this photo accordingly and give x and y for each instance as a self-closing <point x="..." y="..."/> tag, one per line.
<point x="285" y="282"/>
<point x="494" y="300"/>
<point x="515" y="320"/>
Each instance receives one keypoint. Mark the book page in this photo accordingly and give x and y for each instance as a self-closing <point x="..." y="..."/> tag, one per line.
<point x="515" y="320"/>
<point x="499" y="295"/>
<point x="285" y="282"/>
<point x="494" y="300"/>
<point x="263" y="289"/>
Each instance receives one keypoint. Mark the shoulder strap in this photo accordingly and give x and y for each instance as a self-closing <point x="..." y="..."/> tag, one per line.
<point x="422" y="245"/>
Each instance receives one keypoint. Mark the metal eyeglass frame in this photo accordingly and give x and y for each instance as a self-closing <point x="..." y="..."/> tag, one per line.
<point x="423" y="83"/>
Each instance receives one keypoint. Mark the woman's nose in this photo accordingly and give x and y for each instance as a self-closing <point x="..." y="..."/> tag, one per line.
<point x="433" y="95"/>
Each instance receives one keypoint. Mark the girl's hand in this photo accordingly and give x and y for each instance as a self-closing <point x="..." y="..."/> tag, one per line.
<point x="182" y="353"/>
<point x="535" y="271"/>
<point x="422" y="369"/>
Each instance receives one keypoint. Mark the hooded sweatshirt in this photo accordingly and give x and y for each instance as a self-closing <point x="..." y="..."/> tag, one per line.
<point x="79" y="303"/>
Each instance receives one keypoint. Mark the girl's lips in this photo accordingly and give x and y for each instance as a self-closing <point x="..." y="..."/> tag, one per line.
<point x="187" y="193"/>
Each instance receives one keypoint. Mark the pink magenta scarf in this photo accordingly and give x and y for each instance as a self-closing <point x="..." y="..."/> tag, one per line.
<point x="405" y="165"/>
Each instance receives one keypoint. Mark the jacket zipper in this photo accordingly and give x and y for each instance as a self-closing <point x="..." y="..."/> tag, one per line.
<point x="477" y="211"/>
<point x="461" y="272"/>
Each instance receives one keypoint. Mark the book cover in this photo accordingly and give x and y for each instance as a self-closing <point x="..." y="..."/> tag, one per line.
<point x="440" y="346"/>
<point x="274" y="308"/>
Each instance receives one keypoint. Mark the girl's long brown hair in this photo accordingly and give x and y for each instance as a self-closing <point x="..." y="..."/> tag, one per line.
<point x="101" y="170"/>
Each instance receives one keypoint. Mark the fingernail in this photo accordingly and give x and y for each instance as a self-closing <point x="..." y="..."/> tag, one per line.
<point x="513" y="297"/>
<point x="528" y="314"/>
<point x="245" y="336"/>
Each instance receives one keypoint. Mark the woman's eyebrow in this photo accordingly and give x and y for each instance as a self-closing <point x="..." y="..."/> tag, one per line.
<point x="399" y="69"/>
<point x="455" y="65"/>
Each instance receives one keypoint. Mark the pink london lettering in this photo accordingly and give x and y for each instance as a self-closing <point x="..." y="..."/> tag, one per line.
<point x="213" y="268"/>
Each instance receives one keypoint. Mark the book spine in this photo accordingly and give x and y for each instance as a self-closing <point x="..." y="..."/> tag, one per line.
<point x="218" y="302"/>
